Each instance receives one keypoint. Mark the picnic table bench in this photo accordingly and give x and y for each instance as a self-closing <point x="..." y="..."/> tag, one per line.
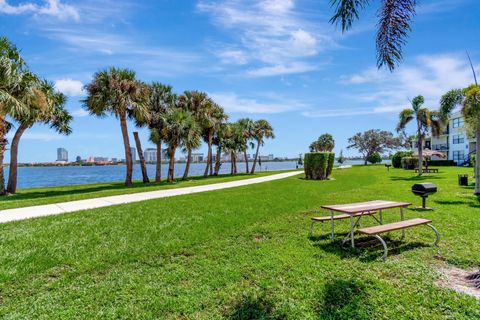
<point x="355" y="211"/>
<point x="428" y="170"/>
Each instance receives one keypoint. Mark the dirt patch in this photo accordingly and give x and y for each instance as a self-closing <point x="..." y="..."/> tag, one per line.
<point x="455" y="278"/>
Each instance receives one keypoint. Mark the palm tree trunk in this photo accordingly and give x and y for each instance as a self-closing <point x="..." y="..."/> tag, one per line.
<point x="256" y="158"/>
<point x="209" y="154"/>
<point x="171" y="165"/>
<point x="187" y="166"/>
<point x="12" y="173"/>
<point x="477" y="164"/>
<point x="420" y="155"/>
<point x="3" y="144"/>
<point x="217" y="161"/>
<point x="246" y="160"/>
<point x="234" y="163"/>
<point x="231" y="163"/>
<point x="158" y="167"/>
<point x="128" y="153"/>
<point x="142" y="159"/>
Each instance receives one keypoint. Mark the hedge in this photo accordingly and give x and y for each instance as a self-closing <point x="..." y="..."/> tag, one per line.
<point x="397" y="158"/>
<point x="318" y="165"/>
<point x="441" y="163"/>
<point x="409" y="163"/>
<point x="472" y="160"/>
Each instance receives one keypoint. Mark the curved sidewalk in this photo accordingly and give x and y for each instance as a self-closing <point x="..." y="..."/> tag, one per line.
<point x="71" y="206"/>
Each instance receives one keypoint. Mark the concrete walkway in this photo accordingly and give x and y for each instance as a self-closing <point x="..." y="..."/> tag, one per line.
<point x="71" y="206"/>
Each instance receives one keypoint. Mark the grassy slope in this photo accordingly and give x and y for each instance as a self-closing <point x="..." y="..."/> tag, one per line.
<point x="39" y="196"/>
<point x="241" y="253"/>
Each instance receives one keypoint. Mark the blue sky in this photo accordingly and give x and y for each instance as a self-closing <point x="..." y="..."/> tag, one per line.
<point x="275" y="59"/>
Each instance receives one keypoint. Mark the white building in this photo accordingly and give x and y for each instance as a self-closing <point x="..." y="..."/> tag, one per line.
<point x="197" y="157"/>
<point x="454" y="141"/>
<point x="150" y="155"/>
<point x="62" y="155"/>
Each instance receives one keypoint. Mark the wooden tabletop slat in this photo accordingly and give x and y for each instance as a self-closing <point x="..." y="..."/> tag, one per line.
<point x="352" y="208"/>
<point x="393" y="226"/>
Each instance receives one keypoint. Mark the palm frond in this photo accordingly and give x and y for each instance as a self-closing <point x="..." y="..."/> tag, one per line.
<point x="393" y="28"/>
<point x="346" y="11"/>
<point x="449" y="101"/>
<point x="405" y="117"/>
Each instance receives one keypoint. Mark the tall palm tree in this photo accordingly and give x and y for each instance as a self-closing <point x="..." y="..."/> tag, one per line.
<point x="246" y="125"/>
<point x="177" y="123"/>
<point x="117" y="92"/>
<point x="261" y="130"/>
<point x="161" y="99"/>
<point x="141" y="158"/>
<point x="426" y="121"/>
<point x="219" y="141"/>
<point x="394" y="19"/>
<point x="469" y="100"/>
<point x="191" y="140"/>
<point x="54" y="115"/>
<point x="18" y="94"/>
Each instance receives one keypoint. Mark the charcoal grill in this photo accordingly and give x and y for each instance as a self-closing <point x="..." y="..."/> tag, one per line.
<point x="423" y="190"/>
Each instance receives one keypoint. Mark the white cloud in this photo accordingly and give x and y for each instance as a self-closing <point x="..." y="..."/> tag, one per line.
<point x="69" y="87"/>
<point x="273" y="104"/>
<point x="270" y="34"/>
<point x="79" y="113"/>
<point x="53" y="8"/>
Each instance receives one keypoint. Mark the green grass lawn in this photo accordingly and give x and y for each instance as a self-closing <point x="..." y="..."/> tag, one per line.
<point x="48" y="195"/>
<point x="242" y="253"/>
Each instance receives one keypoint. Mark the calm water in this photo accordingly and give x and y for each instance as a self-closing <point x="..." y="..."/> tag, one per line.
<point x="30" y="177"/>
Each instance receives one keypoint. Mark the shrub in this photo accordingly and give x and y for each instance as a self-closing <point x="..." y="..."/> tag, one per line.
<point x="472" y="160"/>
<point x="374" y="158"/>
<point x="409" y="163"/>
<point x="397" y="158"/>
<point x="317" y="165"/>
<point x="441" y="163"/>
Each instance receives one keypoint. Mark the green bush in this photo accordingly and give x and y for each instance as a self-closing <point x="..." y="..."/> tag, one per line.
<point x="472" y="160"/>
<point x="374" y="158"/>
<point x="397" y="158"/>
<point x="441" y="163"/>
<point x="409" y="163"/>
<point x="317" y="165"/>
<point x="331" y="161"/>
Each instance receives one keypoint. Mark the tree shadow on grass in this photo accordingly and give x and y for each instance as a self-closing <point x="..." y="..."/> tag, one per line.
<point x="366" y="249"/>
<point x="344" y="299"/>
<point x="251" y="307"/>
<point x="415" y="178"/>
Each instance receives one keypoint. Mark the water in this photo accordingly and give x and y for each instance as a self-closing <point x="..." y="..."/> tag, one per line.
<point x="32" y="177"/>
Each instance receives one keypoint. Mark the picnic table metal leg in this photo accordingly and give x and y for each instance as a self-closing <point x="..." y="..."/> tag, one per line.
<point x="352" y="228"/>
<point x="381" y="216"/>
<point x="333" y="225"/>
<point x="437" y="234"/>
<point x="401" y="218"/>
<point x="385" y="248"/>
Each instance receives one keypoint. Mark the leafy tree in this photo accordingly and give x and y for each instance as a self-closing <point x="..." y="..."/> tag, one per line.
<point x="374" y="158"/>
<point x="469" y="100"/>
<point x="55" y="115"/>
<point x="117" y="92"/>
<point x="177" y="123"/>
<point x="427" y="122"/>
<point x="324" y="143"/>
<point x="261" y="129"/>
<point x="19" y="94"/>
<point x="300" y="160"/>
<point x="246" y="126"/>
<point x="371" y="141"/>
<point x="394" y="18"/>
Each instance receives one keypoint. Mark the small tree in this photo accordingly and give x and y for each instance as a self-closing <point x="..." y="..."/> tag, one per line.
<point x="300" y="160"/>
<point x="374" y="158"/>
<point x="324" y="143"/>
<point x="371" y="141"/>
<point x="341" y="159"/>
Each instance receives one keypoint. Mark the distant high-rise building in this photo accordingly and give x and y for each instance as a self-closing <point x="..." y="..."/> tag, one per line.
<point x="133" y="151"/>
<point x="197" y="157"/>
<point x="150" y="155"/>
<point x="62" y="154"/>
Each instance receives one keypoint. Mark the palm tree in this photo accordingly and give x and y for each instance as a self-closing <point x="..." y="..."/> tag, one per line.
<point x="246" y="126"/>
<point x="141" y="158"/>
<point x="469" y="100"/>
<point x="219" y="141"/>
<point x="324" y="143"/>
<point x="261" y="130"/>
<point x="427" y="121"/>
<point x="55" y="115"/>
<point x="118" y="92"/>
<point x="191" y="140"/>
<point x="177" y="123"/>
<point x="18" y="94"/>
<point x="394" y="18"/>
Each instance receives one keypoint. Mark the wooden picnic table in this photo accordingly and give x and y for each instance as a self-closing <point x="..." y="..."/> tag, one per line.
<point x="354" y="209"/>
